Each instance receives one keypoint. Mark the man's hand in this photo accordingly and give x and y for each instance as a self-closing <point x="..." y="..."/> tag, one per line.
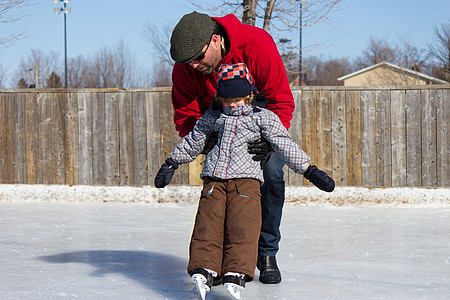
<point x="211" y="142"/>
<point x="319" y="178"/>
<point x="261" y="149"/>
<point x="165" y="173"/>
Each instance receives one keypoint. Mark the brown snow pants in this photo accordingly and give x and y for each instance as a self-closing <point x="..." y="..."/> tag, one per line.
<point x="227" y="226"/>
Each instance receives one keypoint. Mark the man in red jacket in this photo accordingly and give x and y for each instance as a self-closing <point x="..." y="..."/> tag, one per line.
<point x="199" y="45"/>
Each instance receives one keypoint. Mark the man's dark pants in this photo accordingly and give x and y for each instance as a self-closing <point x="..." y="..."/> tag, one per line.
<point x="272" y="200"/>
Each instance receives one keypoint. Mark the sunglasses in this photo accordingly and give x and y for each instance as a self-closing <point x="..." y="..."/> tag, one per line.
<point x="202" y="55"/>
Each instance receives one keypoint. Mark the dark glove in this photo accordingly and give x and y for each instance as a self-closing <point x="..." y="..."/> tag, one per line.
<point x="165" y="173"/>
<point x="211" y="142"/>
<point x="319" y="178"/>
<point x="261" y="149"/>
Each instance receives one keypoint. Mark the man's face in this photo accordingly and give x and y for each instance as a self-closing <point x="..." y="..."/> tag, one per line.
<point x="210" y="56"/>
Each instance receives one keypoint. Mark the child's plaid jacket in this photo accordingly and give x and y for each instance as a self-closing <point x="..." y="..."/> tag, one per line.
<point x="237" y="127"/>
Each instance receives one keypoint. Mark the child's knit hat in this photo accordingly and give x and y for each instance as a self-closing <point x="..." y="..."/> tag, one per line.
<point x="234" y="81"/>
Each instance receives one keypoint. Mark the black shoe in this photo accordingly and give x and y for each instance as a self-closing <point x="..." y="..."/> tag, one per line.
<point x="269" y="272"/>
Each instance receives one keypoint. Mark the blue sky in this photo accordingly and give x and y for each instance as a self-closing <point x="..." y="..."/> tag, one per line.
<point x="93" y="25"/>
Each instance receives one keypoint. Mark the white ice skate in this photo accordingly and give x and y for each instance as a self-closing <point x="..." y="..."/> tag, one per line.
<point x="234" y="290"/>
<point x="203" y="280"/>
<point x="234" y="283"/>
<point x="202" y="287"/>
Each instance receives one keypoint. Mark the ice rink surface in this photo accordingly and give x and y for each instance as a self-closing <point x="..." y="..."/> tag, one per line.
<point x="139" y="251"/>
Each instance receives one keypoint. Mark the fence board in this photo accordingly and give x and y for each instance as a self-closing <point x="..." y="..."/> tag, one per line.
<point x="85" y="137"/>
<point x="98" y="138"/>
<point x="353" y="131"/>
<point x="368" y="144"/>
<point x="32" y="139"/>
<point x="309" y="132"/>
<point x="45" y="159"/>
<point x="125" y="139"/>
<point x="6" y="151"/>
<point x="3" y="138"/>
<point x="169" y="137"/>
<point x="339" y="145"/>
<point x="383" y="138"/>
<point x="71" y="148"/>
<point x="195" y="168"/>
<point x="295" y="131"/>
<point x="154" y="137"/>
<point x="18" y="138"/>
<point x="58" y="138"/>
<point x="139" y="139"/>
<point x="428" y="125"/>
<point x="324" y="121"/>
<point x="112" y="139"/>
<point x="442" y="140"/>
<point x="413" y="138"/>
<point x="398" y="138"/>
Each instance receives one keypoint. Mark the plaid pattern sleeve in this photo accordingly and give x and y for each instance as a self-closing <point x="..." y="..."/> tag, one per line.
<point x="192" y="144"/>
<point x="273" y="130"/>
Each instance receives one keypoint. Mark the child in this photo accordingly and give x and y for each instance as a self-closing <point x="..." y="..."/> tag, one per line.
<point x="224" y="241"/>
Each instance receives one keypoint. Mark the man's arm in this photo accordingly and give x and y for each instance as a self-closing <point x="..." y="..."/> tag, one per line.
<point x="184" y="100"/>
<point x="267" y="68"/>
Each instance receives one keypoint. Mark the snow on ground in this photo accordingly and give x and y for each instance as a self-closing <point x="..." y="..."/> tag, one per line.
<point x="182" y="194"/>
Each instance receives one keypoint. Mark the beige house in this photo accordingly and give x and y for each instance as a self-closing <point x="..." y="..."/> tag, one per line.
<point x="387" y="74"/>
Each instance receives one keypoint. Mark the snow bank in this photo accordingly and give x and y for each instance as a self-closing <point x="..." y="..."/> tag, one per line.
<point x="175" y="195"/>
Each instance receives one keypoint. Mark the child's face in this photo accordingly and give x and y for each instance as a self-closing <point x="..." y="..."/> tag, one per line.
<point x="233" y="102"/>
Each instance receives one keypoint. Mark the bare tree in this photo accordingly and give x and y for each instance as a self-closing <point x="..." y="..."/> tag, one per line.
<point x="159" y="36"/>
<point x="79" y="73"/>
<point x="22" y="84"/>
<point x="53" y="81"/>
<point x="161" y="76"/>
<point x="440" y="51"/>
<point x="36" y="67"/>
<point x="412" y="57"/>
<point x="275" y="15"/>
<point x="290" y="62"/>
<point x="325" y="73"/>
<point x="114" y="68"/>
<point x="403" y="54"/>
<point x="7" y="15"/>
<point x="379" y="50"/>
<point x="249" y="12"/>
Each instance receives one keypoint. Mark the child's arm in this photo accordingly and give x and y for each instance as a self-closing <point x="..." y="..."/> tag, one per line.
<point x="193" y="144"/>
<point x="186" y="151"/>
<point x="291" y="154"/>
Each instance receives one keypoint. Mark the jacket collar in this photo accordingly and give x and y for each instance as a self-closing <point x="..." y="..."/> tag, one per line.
<point x="241" y="110"/>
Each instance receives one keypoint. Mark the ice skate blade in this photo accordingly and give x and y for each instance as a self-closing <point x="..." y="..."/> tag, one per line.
<point x="234" y="290"/>
<point x="200" y="282"/>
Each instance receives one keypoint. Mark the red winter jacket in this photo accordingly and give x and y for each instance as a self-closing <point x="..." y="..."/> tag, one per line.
<point x="192" y="91"/>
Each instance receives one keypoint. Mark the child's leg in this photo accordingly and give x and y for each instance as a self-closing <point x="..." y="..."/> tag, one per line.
<point x="206" y="246"/>
<point x="243" y="224"/>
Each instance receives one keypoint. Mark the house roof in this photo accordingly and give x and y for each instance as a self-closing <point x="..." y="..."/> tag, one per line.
<point x="413" y="73"/>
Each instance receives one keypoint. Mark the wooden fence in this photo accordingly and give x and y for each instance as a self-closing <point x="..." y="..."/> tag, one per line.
<point x="383" y="136"/>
